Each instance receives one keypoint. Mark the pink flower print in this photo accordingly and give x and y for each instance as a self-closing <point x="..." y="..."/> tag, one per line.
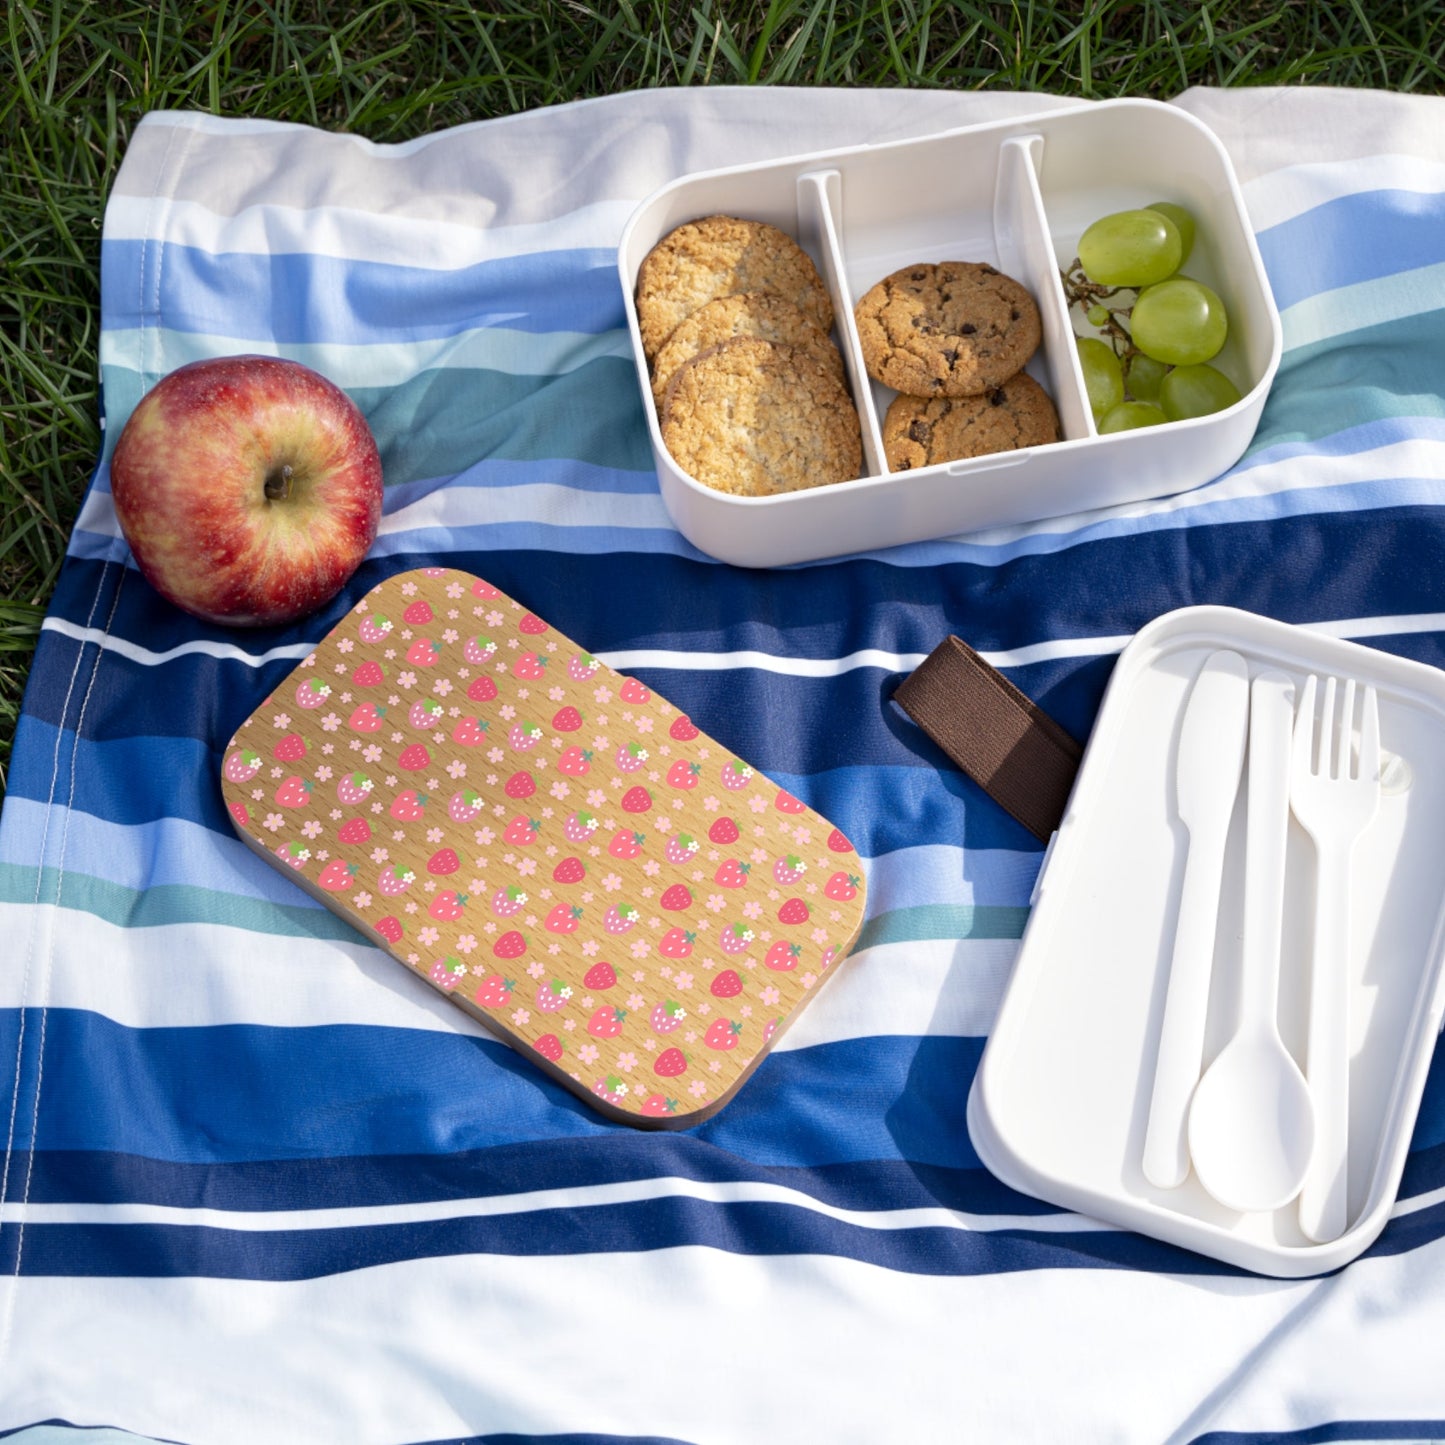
<point x="520" y="1017"/>
<point x="588" y="1053"/>
<point x="371" y="753"/>
<point x="753" y="909"/>
<point x="683" y="980"/>
<point x="311" y="828"/>
<point x="282" y="721"/>
<point x="330" y="722"/>
<point x="769" y="996"/>
<point x="697" y="1088"/>
<point x="465" y="944"/>
<point x="757" y="804"/>
<point x="406" y="679"/>
<point x="272" y="822"/>
<point x="716" y="902"/>
<point x="427" y="936"/>
<point x="626" y="1063"/>
<point x="363" y="899"/>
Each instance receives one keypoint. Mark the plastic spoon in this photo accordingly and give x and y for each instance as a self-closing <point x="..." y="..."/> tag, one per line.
<point x="1251" y="1121"/>
<point x="1206" y="781"/>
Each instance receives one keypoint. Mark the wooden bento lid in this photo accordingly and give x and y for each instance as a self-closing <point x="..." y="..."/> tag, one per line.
<point x="558" y="850"/>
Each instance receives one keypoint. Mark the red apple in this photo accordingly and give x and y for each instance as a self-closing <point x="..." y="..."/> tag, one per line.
<point x="248" y="488"/>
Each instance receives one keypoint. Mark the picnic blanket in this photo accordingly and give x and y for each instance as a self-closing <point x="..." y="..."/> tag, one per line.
<point x="259" y="1184"/>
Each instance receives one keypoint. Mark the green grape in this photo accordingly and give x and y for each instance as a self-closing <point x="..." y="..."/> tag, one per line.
<point x="1196" y="391"/>
<point x="1183" y="223"/>
<point x="1098" y="315"/>
<point x="1103" y="376"/>
<point x="1179" y="322"/>
<point x="1129" y="415"/>
<point x="1130" y="248"/>
<point x="1143" y="376"/>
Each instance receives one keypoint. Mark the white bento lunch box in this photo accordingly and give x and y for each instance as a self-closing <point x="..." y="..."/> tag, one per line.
<point x="1016" y="195"/>
<point x="1060" y="1104"/>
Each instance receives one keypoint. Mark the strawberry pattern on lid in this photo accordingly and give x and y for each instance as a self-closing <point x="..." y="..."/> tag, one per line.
<point x="558" y="850"/>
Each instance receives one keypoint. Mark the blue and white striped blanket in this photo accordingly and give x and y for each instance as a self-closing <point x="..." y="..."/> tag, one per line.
<point x="260" y="1185"/>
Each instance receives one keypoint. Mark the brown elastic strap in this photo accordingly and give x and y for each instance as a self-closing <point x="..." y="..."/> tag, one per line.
<point x="1009" y="746"/>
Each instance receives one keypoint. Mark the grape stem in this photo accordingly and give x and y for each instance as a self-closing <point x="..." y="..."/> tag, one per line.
<point x="1081" y="292"/>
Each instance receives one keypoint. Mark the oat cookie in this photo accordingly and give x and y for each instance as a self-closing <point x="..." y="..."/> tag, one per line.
<point x="955" y="328"/>
<point x="750" y="313"/>
<point x="753" y="417"/>
<point x="717" y="256"/>
<point x="918" y="432"/>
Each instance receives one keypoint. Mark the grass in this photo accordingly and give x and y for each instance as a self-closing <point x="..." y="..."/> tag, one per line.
<point x="76" y="77"/>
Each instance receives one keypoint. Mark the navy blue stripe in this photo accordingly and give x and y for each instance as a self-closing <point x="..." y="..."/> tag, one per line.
<point x="1407" y="1432"/>
<point x="298" y="297"/>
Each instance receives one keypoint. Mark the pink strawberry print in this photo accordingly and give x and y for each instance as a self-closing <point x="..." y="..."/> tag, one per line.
<point x="482" y="689"/>
<point x="680" y="848"/>
<point x="600" y="977"/>
<point x="424" y="652"/>
<point x="553" y="995"/>
<point x="563" y="919"/>
<point x="529" y="667"/>
<point x="311" y="694"/>
<point x="612" y="1088"/>
<point x="829" y="954"/>
<point x="448" y="905"/>
<point x="353" y="788"/>
<point x="606" y="1022"/>
<point x="532" y="625"/>
<point x="294" y="792"/>
<point x="394" y="880"/>
<point x="367" y="718"/>
<point x="732" y="874"/>
<point x="520" y="785"/>
<point x="676" y="898"/>
<point x="368" y="674"/>
<point x="788" y="869"/>
<point x="566" y="720"/>
<point x="524" y="736"/>
<point x="736" y="774"/>
<point x="683" y="774"/>
<point x="785" y="802"/>
<point x="575" y="762"/>
<point x="409" y="805"/>
<point x="374" y="628"/>
<point x="296" y="855"/>
<point x="783" y="956"/>
<point x="658" y="1105"/>
<point x="464" y="806"/>
<point x="723" y="1034"/>
<point x="793" y="911"/>
<point x="337" y="876"/>
<point x="494" y="991"/>
<point x="683" y="729"/>
<point x="842" y="887"/>
<point x="550" y="1047"/>
<point x="667" y="1017"/>
<point x="510" y="945"/>
<point x="443" y="862"/>
<point x="579" y="827"/>
<point x="522" y="831"/>
<point x="448" y="971"/>
<point x="723" y="832"/>
<point x="479" y="651"/>
<point x="470" y="732"/>
<point x="676" y="943"/>
<point x="727" y="984"/>
<point x="636" y="800"/>
<point x="414" y="758"/>
<point x="569" y="870"/>
<point x="242" y="766"/>
<point x="626" y="844"/>
<point x="582" y="667"/>
<point x="240" y="813"/>
<point x="633" y="691"/>
<point x="425" y="713"/>
<point x="483" y="588"/>
<point x="290" y="748"/>
<point x="390" y="928"/>
<point x="670" y="1063"/>
<point x="354" y="831"/>
<point x="620" y="917"/>
<point x="838" y="843"/>
<point x="418" y="614"/>
<point x="735" y="938"/>
<point x="629" y="757"/>
<point x="509" y="900"/>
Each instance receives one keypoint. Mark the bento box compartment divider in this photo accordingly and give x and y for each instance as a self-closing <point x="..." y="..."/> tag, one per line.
<point x="1021" y="237"/>
<point x="820" y="224"/>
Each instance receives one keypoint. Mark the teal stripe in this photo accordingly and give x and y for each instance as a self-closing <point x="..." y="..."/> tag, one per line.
<point x="168" y="903"/>
<point x="439" y="423"/>
<point x="931" y="921"/>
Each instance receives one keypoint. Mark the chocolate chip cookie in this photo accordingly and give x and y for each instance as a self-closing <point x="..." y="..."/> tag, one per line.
<point x="919" y="432"/>
<point x="718" y="256"/>
<point x="751" y="313"/>
<point x="954" y="328"/>
<point x="753" y="417"/>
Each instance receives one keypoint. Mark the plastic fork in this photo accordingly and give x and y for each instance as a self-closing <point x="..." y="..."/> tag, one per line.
<point x="1334" y="794"/>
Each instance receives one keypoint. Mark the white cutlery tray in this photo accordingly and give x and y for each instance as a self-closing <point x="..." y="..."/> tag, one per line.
<point x="1060" y="1103"/>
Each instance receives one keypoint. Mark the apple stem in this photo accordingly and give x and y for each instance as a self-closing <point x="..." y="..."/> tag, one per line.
<point x="278" y="484"/>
